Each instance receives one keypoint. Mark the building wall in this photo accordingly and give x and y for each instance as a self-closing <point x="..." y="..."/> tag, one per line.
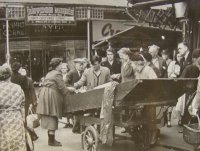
<point x="34" y="44"/>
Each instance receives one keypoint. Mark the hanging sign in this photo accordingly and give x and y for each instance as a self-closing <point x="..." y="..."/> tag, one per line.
<point x="37" y="15"/>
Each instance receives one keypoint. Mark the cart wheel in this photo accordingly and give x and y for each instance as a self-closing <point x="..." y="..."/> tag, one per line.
<point x="90" y="139"/>
<point x="141" y="146"/>
<point x="141" y="138"/>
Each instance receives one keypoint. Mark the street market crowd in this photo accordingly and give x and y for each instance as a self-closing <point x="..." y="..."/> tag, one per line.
<point x="17" y="94"/>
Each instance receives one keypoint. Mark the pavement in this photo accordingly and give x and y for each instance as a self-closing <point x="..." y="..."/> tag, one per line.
<point x="170" y="140"/>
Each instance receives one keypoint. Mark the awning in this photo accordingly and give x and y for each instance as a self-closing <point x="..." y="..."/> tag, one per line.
<point x="140" y="34"/>
<point x="149" y="3"/>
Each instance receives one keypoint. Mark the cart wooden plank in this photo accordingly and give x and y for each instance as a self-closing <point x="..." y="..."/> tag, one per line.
<point x="134" y="92"/>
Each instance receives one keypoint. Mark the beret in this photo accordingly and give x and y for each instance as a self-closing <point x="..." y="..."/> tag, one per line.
<point x="55" y="61"/>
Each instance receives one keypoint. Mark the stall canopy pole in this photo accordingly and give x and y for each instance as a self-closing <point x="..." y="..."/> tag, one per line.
<point x="7" y="43"/>
<point x="7" y="38"/>
<point x="88" y="35"/>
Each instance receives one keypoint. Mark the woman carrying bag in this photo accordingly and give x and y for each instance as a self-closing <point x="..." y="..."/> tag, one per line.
<point x="51" y="100"/>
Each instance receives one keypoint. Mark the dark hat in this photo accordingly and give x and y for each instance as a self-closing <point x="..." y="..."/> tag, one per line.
<point x="16" y="66"/>
<point x="147" y="56"/>
<point x="137" y="57"/>
<point x="5" y="72"/>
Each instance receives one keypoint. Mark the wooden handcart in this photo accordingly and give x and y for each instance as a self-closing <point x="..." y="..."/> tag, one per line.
<point x="134" y="108"/>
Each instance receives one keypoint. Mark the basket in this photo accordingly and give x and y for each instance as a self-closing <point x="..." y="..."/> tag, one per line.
<point x="191" y="134"/>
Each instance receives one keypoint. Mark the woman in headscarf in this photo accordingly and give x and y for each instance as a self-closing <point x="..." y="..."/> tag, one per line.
<point x="142" y="69"/>
<point x="12" y="131"/>
<point x="51" y="100"/>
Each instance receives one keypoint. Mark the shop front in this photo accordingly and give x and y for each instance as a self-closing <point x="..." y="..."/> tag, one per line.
<point x="33" y="41"/>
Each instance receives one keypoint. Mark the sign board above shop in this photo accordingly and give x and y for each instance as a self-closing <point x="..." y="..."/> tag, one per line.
<point x="40" y="15"/>
<point x="105" y="29"/>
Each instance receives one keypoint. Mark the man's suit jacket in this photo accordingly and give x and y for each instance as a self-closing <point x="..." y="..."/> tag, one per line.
<point x="188" y="61"/>
<point x="115" y="68"/>
<point x="90" y="79"/>
<point x="190" y="71"/>
<point x="72" y="77"/>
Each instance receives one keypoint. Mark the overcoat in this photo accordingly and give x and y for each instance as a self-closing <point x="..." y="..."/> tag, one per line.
<point x="51" y="95"/>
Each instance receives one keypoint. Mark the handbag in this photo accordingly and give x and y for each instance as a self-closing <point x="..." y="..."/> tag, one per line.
<point x="32" y="119"/>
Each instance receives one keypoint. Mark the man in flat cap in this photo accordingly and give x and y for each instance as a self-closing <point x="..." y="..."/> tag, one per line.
<point x="74" y="75"/>
<point x="158" y="61"/>
<point x="94" y="76"/>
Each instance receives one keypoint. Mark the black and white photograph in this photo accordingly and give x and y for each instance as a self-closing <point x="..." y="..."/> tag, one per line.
<point x="99" y="75"/>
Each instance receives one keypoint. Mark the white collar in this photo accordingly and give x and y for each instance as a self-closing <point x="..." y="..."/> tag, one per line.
<point x="186" y="55"/>
<point x="111" y="62"/>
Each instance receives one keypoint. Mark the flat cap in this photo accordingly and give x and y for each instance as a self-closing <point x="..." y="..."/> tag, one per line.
<point x="154" y="46"/>
<point x="78" y="60"/>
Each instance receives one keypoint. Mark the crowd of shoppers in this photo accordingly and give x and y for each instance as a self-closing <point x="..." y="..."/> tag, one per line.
<point x="60" y="81"/>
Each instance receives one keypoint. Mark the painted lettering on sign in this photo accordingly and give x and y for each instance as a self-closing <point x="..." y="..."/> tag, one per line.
<point x="16" y="29"/>
<point x="50" y="15"/>
<point x="108" y="30"/>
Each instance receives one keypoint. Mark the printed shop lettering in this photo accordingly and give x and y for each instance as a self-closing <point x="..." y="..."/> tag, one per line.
<point x="108" y="30"/>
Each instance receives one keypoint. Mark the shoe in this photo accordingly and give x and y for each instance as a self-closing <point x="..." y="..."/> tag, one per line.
<point x="169" y="124"/>
<point x="54" y="143"/>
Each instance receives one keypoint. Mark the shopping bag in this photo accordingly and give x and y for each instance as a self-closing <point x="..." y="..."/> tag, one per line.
<point x="32" y="119"/>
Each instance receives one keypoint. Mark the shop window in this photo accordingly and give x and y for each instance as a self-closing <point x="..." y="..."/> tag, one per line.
<point x="97" y="13"/>
<point x="81" y="12"/>
<point x="17" y="12"/>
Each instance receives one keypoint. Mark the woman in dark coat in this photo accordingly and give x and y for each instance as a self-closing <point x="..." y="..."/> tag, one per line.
<point x="51" y="100"/>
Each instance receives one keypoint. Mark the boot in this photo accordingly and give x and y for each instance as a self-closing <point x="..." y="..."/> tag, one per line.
<point x="52" y="141"/>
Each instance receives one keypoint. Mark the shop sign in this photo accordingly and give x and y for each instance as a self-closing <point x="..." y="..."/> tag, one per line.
<point x="104" y="29"/>
<point x="38" y="15"/>
<point x="16" y="29"/>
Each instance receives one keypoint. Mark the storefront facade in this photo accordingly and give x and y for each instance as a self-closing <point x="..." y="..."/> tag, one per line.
<point x="38" y="32"/>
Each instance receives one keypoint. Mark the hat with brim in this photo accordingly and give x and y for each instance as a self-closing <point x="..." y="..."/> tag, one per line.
<point x="78" y="60"/>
